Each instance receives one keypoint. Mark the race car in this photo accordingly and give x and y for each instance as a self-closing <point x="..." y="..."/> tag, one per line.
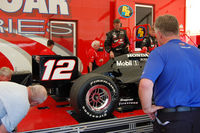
<point x="97" y="94"/>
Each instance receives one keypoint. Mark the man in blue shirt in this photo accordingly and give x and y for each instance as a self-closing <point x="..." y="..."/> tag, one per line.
<point x="171" y="75"/>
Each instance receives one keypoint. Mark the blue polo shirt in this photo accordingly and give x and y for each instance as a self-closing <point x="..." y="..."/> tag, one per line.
<point x="174" y="69"/>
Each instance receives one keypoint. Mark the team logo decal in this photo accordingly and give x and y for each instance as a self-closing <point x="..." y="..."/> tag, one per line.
<point x="140" y="32"/>
<point x="125" y="11"/>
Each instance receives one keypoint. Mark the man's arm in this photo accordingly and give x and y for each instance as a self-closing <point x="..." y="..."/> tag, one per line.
<point x="145" y="94"/>
<point x="90" y="66"/>
<point x="145" y="42"/>
<point x="126" y="40"/>
<point x="108" y="42"/>
<point x="108" y="45"/>
<point x="3" y="129"/>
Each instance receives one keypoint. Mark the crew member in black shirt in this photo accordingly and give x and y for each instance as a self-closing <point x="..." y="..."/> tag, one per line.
<point x="117" y="42"/>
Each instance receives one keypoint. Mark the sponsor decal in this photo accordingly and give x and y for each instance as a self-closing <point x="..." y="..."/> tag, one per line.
<point x="125" y="11"/>
<point x="140" y="32"/>
<point x="32" y="7"/>
<point x="31" y="26"/>
<point x="103" y="81"/>
<point x="61" y="72"/>
<point x="92" y="115"/>
<point x="127" y="101"/>
<point x="143" y="59"/>
<point x="181" y="28"/>
<point x="58" y="69"/>
<point x="43" y="7"/>
<point x="183" y="45"/>
<point x="137" y="55"/>
<point x="127" y="63"/>
<point x="124" y="63"/>
<point x="122" y="32"/>
<point x="114" y="35"/>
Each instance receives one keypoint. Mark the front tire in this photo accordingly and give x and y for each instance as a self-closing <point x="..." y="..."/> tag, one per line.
<point x="94" y="96"/>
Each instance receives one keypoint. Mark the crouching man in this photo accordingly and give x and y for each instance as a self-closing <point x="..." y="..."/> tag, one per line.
<point x="5" y="74"/>
<point x="15" y="101"/>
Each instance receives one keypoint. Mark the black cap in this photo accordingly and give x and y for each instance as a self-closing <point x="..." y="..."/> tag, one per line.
<point x="116" y="21"/>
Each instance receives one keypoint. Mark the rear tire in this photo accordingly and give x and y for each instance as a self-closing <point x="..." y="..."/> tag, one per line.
<point x="94" y="96"/>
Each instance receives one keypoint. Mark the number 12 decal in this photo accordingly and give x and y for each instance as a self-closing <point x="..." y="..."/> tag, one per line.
<point x="59" y="73"/>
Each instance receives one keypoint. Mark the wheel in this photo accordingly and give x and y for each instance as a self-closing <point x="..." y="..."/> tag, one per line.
<point x="94" y="96"/>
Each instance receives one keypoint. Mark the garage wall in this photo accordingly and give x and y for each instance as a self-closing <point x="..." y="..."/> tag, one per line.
<point x="173" y="7"/>
<point x="192" y="18"/>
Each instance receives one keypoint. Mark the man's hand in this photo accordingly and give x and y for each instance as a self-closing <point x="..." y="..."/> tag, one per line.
<point x="151" y="111"/>
<point x="112" y="54"/>
<point x="100" y="60"/>
<point x="90" y="66"/>
<point x="128" y="47"/>
<point x="3" y="129"/>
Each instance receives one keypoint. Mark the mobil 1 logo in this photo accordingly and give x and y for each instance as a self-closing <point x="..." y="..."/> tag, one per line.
<point x="127" y="63"/>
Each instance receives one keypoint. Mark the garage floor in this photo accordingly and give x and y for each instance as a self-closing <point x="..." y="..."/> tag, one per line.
<point x="52" y="114"/>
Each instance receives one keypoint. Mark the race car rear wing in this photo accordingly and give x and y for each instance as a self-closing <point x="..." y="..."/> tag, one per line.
<point x="54" y="69"/>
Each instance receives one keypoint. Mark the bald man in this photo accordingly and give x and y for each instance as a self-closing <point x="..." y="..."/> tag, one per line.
<point x="15" y="101"/>
<point x="5" y="74"/>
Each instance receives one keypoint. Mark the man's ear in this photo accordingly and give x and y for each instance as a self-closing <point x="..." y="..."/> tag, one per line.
<point x="159" y="34"/>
